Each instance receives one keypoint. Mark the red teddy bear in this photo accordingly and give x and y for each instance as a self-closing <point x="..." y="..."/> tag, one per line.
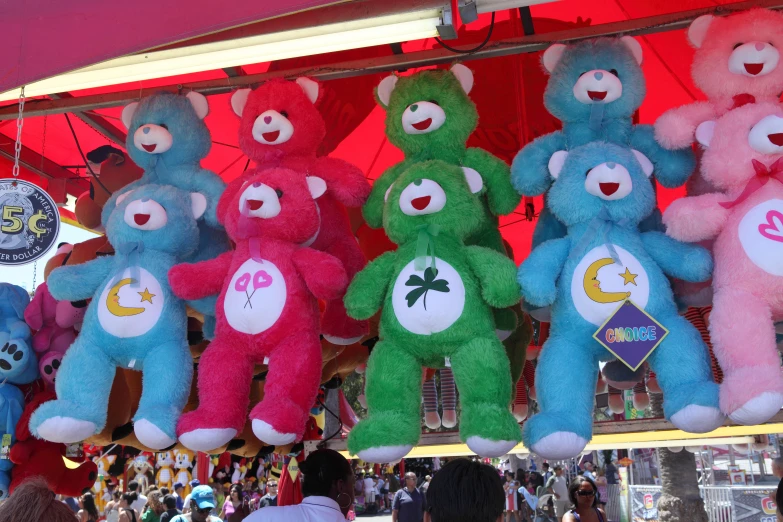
<point x="40" y="458"/>
<point x="281" y="127"/>
<point x="267" y="310"/>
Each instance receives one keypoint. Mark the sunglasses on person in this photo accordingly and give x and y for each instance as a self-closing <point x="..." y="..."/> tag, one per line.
<point x="583" y="493"/>
<point x="203" y="511"/>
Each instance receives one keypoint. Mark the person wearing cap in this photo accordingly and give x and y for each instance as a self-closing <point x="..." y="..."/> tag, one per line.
<point x="186" y="504"/>
<point x="202" y="502"/>
<point x="179" y="489"/>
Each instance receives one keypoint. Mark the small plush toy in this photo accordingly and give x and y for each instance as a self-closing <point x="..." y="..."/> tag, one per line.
<point x="601" y="192"/>
<point x="164" y="463"/>
<point x="266" y="309"/>
<point x="448" y="393"/>
<point x="134" y="321"/>
<point x="595" y="87"/>
<point x="281" y="126"/>
<point x="39" y="458"/>
<point x="184" y="461"/>
<point x="13" y="301"/>
<point x="744" y="160"/>
<point x="99" y="489"/>
<point x="50" y="340"/>
<point x="436" y="296"/>
<point x="168" y="138"/>
<point x="736" y="62"/>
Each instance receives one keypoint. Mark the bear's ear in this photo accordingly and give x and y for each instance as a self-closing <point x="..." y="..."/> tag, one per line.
<point x="704" y="132"/>
<point x="698" y="30"/>
<point x="634" y="46"/>
<point x="316" y="185"/>
<point x="385" y="88"/>
<point x="552" y="55"/>
<point x="556" y="162"/>
<point x="128" y="112"/>
<point x="199" y="103"/>
<point x="464" y="75"/>
<point x="644" y="161"/>
<point x="475" y="182"/>
<point x="198" y="205"/>
<point x="239" y="100"/>
<point x="309" y="87"/>
<point x="121" y="198"/>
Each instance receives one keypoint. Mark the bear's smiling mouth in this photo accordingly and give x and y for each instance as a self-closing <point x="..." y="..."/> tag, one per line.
<point x="776" y="139"/>
<point x="421" y="203"/>
<point x="754" y="68"/>
<point x="609" y="188"/>
<point x="271" y="136"/>
<point x="597" y="95"/>
<point x="150" y="148"/>
<point x="255" y="204"/>
<point x="141" y="219"/>
<point x="423" y="124"/>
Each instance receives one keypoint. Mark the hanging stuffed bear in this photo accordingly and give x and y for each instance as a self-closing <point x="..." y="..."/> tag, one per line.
<point x="281" y="126"/>
<point x="134" y="320"/>
<point x="167" y="137"/>
<point x="601" y="192"/>
<point x="164" y="462"/>
<point x="266" y="309"/>
<point x="436" y="296"/>
<point x="744" y="159"/>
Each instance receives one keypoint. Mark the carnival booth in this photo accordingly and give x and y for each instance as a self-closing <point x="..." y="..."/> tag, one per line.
<point x="508" y="211"/>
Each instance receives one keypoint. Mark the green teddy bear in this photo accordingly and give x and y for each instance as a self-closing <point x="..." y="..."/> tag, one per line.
<point x="437" y="296"/>
<point x="429" y="116"/>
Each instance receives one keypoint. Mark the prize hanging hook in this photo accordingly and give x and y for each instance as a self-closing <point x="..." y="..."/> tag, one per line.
<point x="18" y="144"/>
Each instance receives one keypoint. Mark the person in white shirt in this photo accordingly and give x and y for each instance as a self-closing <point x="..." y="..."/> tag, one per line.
<point x="380" y="493"/>
<point x="558" y="486"/>
<point x="141" y="500"/>
<point x="369" y="491"/>
<point x="328" y="489"/>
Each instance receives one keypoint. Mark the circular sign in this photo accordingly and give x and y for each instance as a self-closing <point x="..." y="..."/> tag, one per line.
<point x="29" y="222"/>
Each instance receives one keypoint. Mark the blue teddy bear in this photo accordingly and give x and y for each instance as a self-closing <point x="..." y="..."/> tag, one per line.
<point x="13" y="300"/>
<point x="133" y="321"/>
<point x="168" y="138"/>
<point x="601" y="192"/>
<point x="18" y="362"/>
<point x="595" y="87"/>
<point x="11" y="408"/>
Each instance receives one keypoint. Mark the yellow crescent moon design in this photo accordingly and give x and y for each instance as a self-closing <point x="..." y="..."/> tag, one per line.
<point x="592" y="285"/>
<point x="113" y="301"/>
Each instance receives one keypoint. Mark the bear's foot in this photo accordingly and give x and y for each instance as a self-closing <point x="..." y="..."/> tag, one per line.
<point x="758" y="409"/>
<point x="152" y="436"/>
<point x="698" y="419"/>
<point x="266" y="433"/>
<point x="432" y="420"/>
<point x="559" y="445"/>
<point x="558" y="435"/>
<point x="488" y="422"/>
<point x="384" y="453"/>
<point x="389" y="430"/>
<point x="449" y="418"/>
<point x="489" y="448"/>
<point x="65" y="430"/>
<point x="207" y="439"/>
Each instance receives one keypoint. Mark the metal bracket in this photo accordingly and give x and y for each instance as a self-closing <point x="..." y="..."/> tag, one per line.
<point x="446" y="29"/>
<point x="467" y="11"/>
<point x="310" y="446"/>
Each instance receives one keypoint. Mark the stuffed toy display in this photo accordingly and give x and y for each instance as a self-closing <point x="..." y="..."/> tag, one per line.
<point x="133" y="322"/>
<point x="168" y="138"/>
<point x="164" y="463"/>
<point x="183" y="463"/>
<point x="266" y="309"/>
<point x="436" y="296"/>
<point x="448" y="394"/>
<point x="99" y="489"/>
<point x="13" y="301"/>
<point x="736" y="62"/>
<point x="39" y="458"/>
<point x="141" y="471"/>
<point x="744" y="160"/>
<point x="601" y="192"/>
<point x="595" y="87"/>
<point x="50" y="340"/>
<point x="11" y="409"/>
<point x="281" y="126"/>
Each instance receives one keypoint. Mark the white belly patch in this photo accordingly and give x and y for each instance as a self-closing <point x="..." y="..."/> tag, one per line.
<point x="427" y="301"/>
<point x="761" y="235"/>
<point x="255" y="297"/>
<point x="129" y="308"/>
<point x="599" y="285"/>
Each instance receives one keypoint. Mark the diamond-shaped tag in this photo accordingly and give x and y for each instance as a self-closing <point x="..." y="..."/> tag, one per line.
<point x="631" y="334"/>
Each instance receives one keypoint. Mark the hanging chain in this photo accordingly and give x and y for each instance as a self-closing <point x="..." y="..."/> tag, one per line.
<point x="35" y="272"/>
<point x="19" y="124"/>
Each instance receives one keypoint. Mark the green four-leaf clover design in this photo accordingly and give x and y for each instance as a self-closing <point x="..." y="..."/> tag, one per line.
<point x="423" y="286"/>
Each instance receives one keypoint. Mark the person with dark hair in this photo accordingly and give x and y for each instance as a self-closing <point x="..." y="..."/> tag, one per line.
<point x="33" y="501"/>
<point x="127" y="513"/>
<point x="466" y="491"/>
<point x="779" y="502"/>
<point x="270" y="499"/>
<point x="235" y="507"/>
<point x="328" y="489"/>
<point x="141" y="500"/>
<point x="179" y="489"/>
<point x="112" y="508"/>
<point x="170" y="503"/>
<point x="88" y="512"/>
<point x="583" y="495"/>
<point x="164" y="492"/>
<point x="410" y="504"/>
<point x="510" y="487"/>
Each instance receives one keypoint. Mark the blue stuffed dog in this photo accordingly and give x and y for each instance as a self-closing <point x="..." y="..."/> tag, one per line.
<point x="18" y="361"/>
<point x="11" y="407"/>
<point x="13" y="300"/>
<point x="601" y="192"/>
<point x="595" y="87"/>
<point x="168" y="138"/>
<point x="134" y="321"/>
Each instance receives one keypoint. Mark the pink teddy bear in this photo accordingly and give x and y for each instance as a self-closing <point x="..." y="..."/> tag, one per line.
<point x="54" y="324"/>
<point x="736" y="62"/>
<point x="744" y="160"/>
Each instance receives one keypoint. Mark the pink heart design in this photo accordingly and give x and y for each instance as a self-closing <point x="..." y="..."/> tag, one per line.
<point x="773" y="228"/>
<point x="242" y="282"/>
<point x="261" y="279"/>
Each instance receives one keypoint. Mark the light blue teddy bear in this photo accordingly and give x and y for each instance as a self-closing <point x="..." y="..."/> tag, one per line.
<point x="13" y="300"/>
<point x="168" y="138"/>
<point x="601" y="192"/>
<point x="133" y="321"/>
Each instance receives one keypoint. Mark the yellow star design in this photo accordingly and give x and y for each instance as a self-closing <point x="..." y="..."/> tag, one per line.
<point x="628" y="277"/>
<point x="146" y="296"/>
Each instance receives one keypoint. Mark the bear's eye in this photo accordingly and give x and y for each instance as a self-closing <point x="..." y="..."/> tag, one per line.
<point x="279" y="193"/>
<point x="587" y="172"/>
<point x="284" y="114"/>
<point x="434" y="102"/>
<point x="735" y="46"/>
<point x="164" y="126"/>
<point x="614" y="71"/>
